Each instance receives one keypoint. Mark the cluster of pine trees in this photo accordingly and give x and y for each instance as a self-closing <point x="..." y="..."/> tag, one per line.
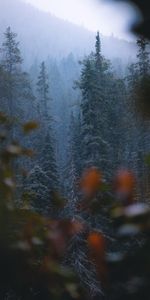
<point x="97" y="122"/>
<point x="89" y="117"/>
<point x="109" y="130"/>
<point x="22" y="104"/>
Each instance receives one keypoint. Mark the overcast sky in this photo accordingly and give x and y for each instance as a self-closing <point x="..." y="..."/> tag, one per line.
<point x="92" y="14"/>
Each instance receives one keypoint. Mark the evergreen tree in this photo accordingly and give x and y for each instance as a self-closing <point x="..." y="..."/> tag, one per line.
<point x="114" y="129"/>
<point x="98" y="55"/>
<point x="74" y="163"/>
<point x="142" y="101"/>
<point x="93" y="107"/>
<point x="138" y="106"/>
<point x="11" y="56"/>
<point x="16" y="92"/>
<point x="46" y="148"/>
<point x="87" y="86"/>
<point x="143" y="57"/>
<point x="11" y="63"/>
<point x="37" y="186"/>
<point x="48" y="161"/>
<point x="43" y="92"/>
<point x="3" y="89"/>
<point x="42" y="106"/>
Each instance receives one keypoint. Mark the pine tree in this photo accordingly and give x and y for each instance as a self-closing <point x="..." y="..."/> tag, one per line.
<point x="93" y="106"/>
<point x="73" y="165"/>
<point x="11" y="63"/>
<point x="46" y="148"/>
<point x="17" y="95"/>
<point x="89" y="124"/>
<point x="3" y="89"/>
<point x="114" y="128"/>
<point x="138" y="106"/>
<point x="98" y="56"/>
<point x="37" y="186"/>
<point x="48" y="161"/>
<point x="43" y="92"/>
<point x="143" y="90"/>
<point x="143" y="57"/>
<point x="42" y="106"/>
<point x="10" y="52"/>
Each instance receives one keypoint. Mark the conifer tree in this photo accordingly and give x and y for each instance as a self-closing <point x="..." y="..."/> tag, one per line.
<point x="98" y="56"/>
<point x="143" y="90"/>
<point x="89" y="124"/>
<point x="3" y="89"/>
<point x="42" y="106"/>
<point x="16" y="86"/>
<point x="11" y="56"/>
<point x="43" y="91"/>
<point x="48" y="160"/>
<point x="46" y="148"/>
<point x="74" y="162"/>
<point x="11" y="63"/>
<point x="93" y="106"/>
<point x="37" y="186"/>
<point x="138" y="98"/>
<point x="143" y="57"/>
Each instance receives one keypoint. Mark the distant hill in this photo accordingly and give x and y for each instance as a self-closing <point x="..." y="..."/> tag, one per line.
<point x="42" y="34"/>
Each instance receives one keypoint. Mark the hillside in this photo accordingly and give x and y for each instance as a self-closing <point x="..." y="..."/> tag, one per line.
<point x="51" y="36"/>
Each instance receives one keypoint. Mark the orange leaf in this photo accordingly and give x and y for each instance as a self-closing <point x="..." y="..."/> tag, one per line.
<point x="97" y="247"/>
<point x="32" y="125"/>
<point x="91" y="181"/>
<point x="124" y="186"/>
<point x="97" y="244"/>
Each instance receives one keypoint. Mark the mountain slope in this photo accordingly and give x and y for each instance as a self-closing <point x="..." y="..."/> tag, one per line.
<point x="42" y="34"/>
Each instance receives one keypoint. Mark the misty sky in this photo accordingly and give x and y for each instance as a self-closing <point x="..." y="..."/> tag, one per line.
<point x="92" y="14"/>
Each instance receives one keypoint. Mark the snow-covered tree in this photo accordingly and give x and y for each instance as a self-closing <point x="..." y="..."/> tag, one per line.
<point x="38" y="187"/>
<point x="93" y="107"/>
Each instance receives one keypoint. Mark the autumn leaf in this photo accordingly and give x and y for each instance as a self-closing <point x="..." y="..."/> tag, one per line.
<point x="97" y="244"/>
<point x="97" y="250"/>
<point x="124" y="186"/>
<point x="30" y="126"/>
<point x="91" y="181"/>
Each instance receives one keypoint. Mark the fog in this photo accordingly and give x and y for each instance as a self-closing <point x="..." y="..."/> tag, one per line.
<point x="52" y="36"/>
<point x="74" y="151"/>
<point x="94" y="15"/>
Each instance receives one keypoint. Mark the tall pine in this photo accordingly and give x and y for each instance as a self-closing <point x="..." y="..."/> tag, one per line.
<point x="11" y="63"/>
<point x="93" y="107"/>
<point x="47" y="146"/>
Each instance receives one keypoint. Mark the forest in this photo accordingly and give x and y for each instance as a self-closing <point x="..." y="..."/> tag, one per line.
<point x="74" y="172"/>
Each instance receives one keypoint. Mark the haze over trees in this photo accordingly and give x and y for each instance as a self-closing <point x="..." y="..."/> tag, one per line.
<point x="84" y="102"/>
<point x="39" y="41"/>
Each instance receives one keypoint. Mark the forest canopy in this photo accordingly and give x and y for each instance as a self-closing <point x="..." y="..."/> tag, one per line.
<point x="74" y="174"/>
